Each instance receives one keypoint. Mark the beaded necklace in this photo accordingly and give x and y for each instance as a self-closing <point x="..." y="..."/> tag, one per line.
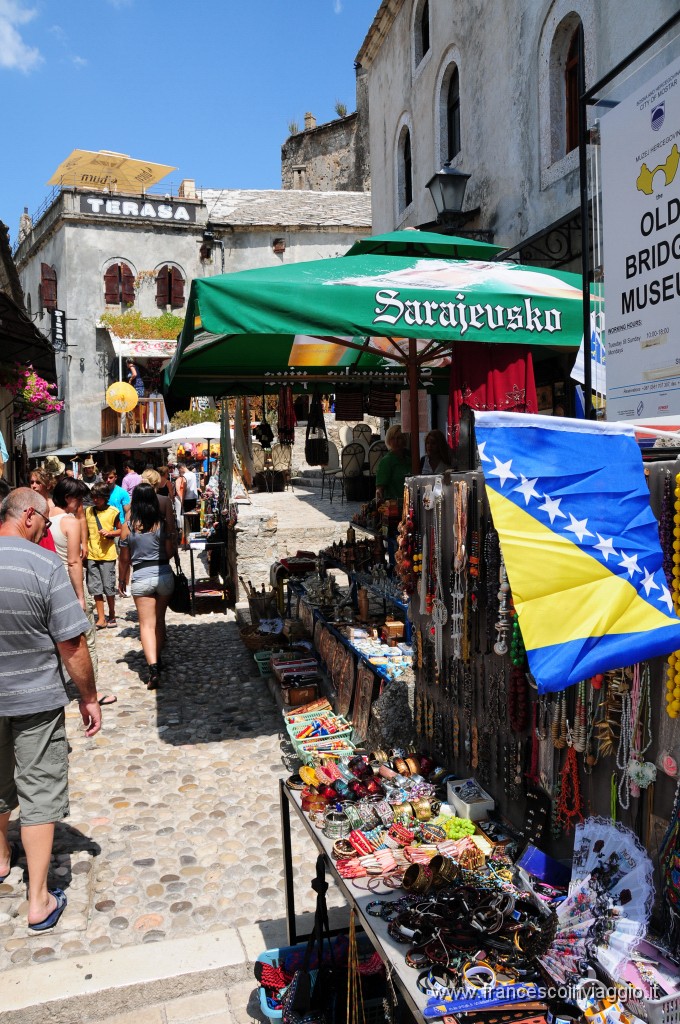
<point x="473" y="563"/>
<point x="518" y="700"/>
<point x="569" y="804"/>
<point x="580" y="731"/>
<point x="459" y="560"/>
<point x="558" y="728"/>
<point x="666" y="527"/>
<point x="439" y="611"/>
<point x="623" y="750"/>
<point x="673" y="672"/>
<point x="492" y="557"/>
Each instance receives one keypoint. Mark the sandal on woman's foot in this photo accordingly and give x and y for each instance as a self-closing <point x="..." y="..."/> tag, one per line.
<point x="154" y="678"/>
<point x="100" y="625"/>
<point x="111" y="623"/>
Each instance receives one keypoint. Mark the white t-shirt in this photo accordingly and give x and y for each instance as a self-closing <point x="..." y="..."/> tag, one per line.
<point x="191" y="491"/>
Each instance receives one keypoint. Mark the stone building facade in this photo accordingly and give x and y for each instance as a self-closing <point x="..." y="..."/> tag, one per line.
<point x="331" y="156"/>
<point x="93" y="253"/>
<point x="491" y="87"/>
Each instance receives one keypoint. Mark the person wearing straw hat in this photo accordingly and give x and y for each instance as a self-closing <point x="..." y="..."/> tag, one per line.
<point x="55" y="467"/>
<point x="90" y="477"/>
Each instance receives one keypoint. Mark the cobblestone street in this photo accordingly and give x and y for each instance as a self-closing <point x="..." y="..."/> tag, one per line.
<point x="174" y="826"/>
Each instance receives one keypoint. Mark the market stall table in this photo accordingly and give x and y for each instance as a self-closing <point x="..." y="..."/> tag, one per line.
<point x="375" y="928"/>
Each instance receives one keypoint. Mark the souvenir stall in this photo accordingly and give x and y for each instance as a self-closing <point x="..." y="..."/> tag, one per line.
<point x="523" y="848"/>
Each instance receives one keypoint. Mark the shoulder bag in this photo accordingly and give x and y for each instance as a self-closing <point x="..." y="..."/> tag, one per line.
<point x="180" y="599"/>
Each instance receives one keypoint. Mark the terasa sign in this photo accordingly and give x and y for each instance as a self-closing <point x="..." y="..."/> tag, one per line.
<point x="148" y="209"/>
<point x="463" y="316"/>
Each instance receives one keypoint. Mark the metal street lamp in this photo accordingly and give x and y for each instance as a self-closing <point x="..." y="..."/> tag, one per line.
<point x="447" y="188"/>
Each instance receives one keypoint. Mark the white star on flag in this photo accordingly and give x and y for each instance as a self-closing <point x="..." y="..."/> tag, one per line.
<point x="527" y="489"/>
<point x="666" y="598"/>
<point x="648" y="582"/>
<point x="629" y="562"/>
<point x="606" y="547"/>
<point x="552" y="507"/>
<point x="502" y="471"/>
<point x="483" y="457"/>
<point x="578" y="527"/>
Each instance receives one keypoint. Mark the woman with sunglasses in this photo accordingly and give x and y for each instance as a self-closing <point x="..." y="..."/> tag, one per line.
<point x="43" y="483"/>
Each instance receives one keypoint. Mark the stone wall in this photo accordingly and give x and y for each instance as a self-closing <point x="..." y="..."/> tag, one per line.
<point x="329" y="157"/>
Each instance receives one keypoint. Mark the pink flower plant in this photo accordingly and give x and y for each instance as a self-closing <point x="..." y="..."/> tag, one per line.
<point x="34" y="396"/>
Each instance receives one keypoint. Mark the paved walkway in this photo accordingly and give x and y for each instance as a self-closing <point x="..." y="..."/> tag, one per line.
<point x="174" y="831"/>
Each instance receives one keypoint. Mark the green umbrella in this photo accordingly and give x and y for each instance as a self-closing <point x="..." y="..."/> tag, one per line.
<point x="424" y="243"/>
<point x="366" y="314"/>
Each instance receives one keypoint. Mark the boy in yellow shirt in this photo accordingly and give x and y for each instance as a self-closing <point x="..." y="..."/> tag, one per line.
<point x="103" y="526"/>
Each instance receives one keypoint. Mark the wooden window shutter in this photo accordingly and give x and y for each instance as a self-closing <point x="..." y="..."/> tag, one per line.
<point x="112" y="285"/>
<point x="48" y="280"/>
<point x="163" y="287"/>
<point x="127" y="285"/>
<point x="176" y="288"/>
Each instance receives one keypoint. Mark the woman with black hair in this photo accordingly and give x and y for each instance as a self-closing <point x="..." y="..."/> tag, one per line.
<point x="145" y="544"/>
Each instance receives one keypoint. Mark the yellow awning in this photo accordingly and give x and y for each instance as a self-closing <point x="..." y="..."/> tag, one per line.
<point x="106" y="170"/>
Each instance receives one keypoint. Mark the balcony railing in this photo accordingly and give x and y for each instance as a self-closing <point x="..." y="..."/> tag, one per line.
<point x="148" y="417"/>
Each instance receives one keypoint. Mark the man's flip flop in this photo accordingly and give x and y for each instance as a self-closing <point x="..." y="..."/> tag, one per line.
<point x="13" y="858"/>
<point x="108" y="698"/>
<point x="100" y="625"/>
<point x="111" y="624"/>
<point x="51" y="919"/>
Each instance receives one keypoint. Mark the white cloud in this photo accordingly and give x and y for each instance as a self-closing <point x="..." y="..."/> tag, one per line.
<point x="79" y="62"/>
<point x="15" y="55"/>
<point x="337" y="6"/>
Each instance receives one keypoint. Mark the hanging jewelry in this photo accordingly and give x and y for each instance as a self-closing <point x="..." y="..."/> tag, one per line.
<point x="458" y="564"/>
<point x="640" y="772"/>
<point x="673" y="671"/>
<point x="517" y="650"/>
<point x="492" y="557"/>
<point x="439" y="612"/>
<point x="559" y="722"/>
<point x="518" y="700"/>
<point x="623" y="751"/>
<point x="569" y="805"/>
<point x="502" y="626"/>
<point x="473" y="564"/>
<point x="580" y="719"/>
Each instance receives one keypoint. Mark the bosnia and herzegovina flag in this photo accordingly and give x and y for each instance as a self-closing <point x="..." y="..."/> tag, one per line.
<point x="580" y="543"/>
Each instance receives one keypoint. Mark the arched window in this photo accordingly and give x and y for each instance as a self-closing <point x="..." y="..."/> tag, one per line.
<point x="119" y="285"/>
<point x="421" y="31"/>
<point x="405" y="171"/>
<point x="169" y="287"/>
<point x="571" y="89"/>
<point x="453" y="115"/>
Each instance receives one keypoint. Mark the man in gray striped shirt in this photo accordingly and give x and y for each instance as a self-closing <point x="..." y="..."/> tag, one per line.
<point x="41" y="635"/>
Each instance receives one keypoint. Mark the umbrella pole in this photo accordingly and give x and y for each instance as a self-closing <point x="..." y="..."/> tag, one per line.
<point x="413" y="391"/>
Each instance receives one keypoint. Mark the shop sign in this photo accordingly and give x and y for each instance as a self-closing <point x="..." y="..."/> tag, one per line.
<point x="640" y="141"/>
<point x="136" y="209"/>
<point x="58" y="325"/>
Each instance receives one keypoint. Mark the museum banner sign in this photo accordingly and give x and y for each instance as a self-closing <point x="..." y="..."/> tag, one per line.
<point x="640" y="141"/>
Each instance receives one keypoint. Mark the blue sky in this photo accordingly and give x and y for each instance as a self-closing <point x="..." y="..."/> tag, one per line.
<point x="209" y="86"/>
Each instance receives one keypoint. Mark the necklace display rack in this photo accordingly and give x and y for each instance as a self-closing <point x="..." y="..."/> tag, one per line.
<point x="547" y="761"/>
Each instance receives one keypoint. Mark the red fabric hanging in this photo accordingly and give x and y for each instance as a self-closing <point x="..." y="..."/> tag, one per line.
<point x="490" y="377"/>
<point x="287" y="419"/>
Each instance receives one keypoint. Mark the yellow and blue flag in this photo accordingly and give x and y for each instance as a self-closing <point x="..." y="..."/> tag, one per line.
<point x="580" y="544"/>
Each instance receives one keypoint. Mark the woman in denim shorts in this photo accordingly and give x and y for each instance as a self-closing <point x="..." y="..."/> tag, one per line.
<point x="145" y="545"/>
